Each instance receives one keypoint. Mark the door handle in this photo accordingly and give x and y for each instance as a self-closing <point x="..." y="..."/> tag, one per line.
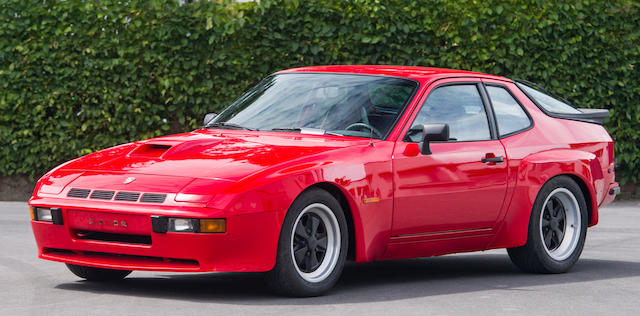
<point x="493" y="159"/>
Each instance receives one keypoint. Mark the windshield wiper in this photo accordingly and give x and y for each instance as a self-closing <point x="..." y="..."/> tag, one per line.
<point x="287" y="129"/>
<point x="228" y="125"/>
<point x="304" y="130"/>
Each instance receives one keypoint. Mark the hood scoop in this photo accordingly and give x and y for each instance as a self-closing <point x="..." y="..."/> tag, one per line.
<point x="150" y="150"/>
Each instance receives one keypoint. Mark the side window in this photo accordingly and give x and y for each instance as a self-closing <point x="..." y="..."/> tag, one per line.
<point x="509" y="114"/>
<point x="461" y="107"/>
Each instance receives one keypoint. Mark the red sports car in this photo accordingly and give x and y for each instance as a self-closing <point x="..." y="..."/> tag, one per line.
<point x="318" y="165"/>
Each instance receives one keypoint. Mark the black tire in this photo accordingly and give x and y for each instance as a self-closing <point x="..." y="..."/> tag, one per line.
<point x="535" y="256"/>
<point x="98" y="274"/>
<point x="287" y="278"/>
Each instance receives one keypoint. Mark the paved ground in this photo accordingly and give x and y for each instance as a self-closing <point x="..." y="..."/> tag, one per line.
<point x="605" y="281"/>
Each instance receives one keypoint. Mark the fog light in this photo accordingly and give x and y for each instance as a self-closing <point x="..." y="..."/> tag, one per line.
<point x="43" y="214"/>
<point x="218" y="225"/>
<point x="161" y="224"/>
<point x="183" y="225"/>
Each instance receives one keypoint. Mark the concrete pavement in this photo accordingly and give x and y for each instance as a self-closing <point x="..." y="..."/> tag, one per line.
<point x="605" y="281"/>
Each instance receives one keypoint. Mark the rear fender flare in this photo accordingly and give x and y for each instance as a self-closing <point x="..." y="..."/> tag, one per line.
<point x="534" y="171"/>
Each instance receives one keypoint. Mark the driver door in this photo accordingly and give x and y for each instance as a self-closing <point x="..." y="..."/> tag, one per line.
<point x="451" y="191"/>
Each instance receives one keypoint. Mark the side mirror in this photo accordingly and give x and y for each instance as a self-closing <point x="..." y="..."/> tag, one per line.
<point x="208" y="118"/>
<point x="430" y="133"/>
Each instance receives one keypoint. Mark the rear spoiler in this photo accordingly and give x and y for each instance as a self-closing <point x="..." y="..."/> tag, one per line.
<point x="596" y="116"/>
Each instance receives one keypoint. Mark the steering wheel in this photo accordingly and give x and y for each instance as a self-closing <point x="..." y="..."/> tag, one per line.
<point x="371" y="128"/>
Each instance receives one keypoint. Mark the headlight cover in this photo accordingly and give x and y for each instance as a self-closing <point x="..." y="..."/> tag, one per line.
<point x="202" y="190"/>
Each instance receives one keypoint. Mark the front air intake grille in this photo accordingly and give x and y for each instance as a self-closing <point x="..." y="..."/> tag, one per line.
<point x="102" y="195"/>
<point x="153" y="198"/>
<point x="111" y="237"/>
<point x="79" y="193"/>
<point x="127" y="196"/>
<point x="120" y="196"/>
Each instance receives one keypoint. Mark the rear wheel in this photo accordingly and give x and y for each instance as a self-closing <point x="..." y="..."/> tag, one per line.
<point x="557" y="229"/>
<point x="312" y="247"/>
<point x="97" y="274"/>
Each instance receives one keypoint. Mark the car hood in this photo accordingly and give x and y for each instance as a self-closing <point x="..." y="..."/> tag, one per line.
<point x="209" y="154"/>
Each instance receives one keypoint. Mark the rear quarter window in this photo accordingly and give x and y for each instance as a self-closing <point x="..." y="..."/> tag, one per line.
<point x="510" y="116"/>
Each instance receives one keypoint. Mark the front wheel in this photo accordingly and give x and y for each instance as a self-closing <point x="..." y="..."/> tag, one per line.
<point x="312" y="247"/>
<point x="97" y="274"/>
<point x="557" y="229"/>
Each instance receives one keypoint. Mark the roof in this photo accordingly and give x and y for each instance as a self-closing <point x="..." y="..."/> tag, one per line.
<point x="418" y="73"/>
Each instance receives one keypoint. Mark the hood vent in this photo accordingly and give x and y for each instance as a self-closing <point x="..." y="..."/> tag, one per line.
<point x="102" y="195"/>
<point x="79" y="193"/>
<point x="150" y="150"/>
<point x="156" y="198"/>
<point x="127" y="196"/>
<point x="153" y="198"/>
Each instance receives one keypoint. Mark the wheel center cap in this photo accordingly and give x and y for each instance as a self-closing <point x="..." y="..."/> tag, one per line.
<point x="312" y="242"/>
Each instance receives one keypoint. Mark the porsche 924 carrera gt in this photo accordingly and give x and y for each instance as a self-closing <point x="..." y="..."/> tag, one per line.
<point x="318" y="165"/>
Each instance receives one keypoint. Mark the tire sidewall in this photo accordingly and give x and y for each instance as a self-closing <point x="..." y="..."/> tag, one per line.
<point x="97" y="274"/>
<point x="550" y="264"/>
<point x="285" y="275"/>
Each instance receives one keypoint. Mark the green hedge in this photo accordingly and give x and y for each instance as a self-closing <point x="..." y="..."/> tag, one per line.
<point x="78" y="76"/>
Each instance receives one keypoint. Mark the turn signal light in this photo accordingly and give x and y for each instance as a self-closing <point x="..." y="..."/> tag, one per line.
<point x="218" y="225"/>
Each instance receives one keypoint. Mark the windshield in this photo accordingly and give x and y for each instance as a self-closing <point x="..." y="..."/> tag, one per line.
<point x="320" y="103"/>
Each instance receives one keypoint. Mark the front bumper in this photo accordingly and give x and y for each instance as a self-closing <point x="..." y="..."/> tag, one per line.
<point x="249" y="243"/>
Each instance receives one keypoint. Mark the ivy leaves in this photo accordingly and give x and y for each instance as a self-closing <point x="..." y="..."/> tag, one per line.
<point x="78" y="76"/>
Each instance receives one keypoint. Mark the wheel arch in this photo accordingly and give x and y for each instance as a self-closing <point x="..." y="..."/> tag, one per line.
<point x="587" y="196"/>
<point x="346" y="205"/>
<point x="534" y="172"/>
